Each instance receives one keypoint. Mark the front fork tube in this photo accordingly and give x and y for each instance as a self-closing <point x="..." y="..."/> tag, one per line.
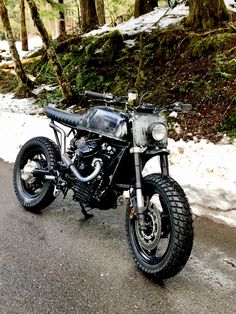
<point x="138" y="186"/>
<point x="164" y="164"/>
<point x="138" y="182"/>
<point x="138" y="176"/>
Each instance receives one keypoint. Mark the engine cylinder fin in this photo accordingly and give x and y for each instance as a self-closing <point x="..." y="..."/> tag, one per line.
<point x="83" y="192"/>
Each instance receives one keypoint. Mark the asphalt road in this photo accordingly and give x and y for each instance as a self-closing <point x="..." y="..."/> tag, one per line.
<point x="56" y="262"/>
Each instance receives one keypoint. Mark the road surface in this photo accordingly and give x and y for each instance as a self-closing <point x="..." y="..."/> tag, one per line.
<point x="56" y="262"/>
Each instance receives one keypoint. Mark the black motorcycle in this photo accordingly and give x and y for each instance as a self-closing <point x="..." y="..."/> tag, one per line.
<point x="103" y="163"/>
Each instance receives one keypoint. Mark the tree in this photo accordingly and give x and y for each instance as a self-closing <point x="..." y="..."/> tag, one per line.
<point x="20" y="73"/>
<point x="62" y="23"/>
<point x="23" y="29"/>
<point x="204" y="14"/>
<point x="59" y="7"/>
<point x="78" y="13"/>
<point x="47" y="40"/>
<point x="100" y="11"/>
<point x="89" y="16"/>
<point x="144" y="6"/>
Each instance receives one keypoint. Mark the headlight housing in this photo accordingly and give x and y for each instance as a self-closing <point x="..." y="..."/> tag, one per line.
<point x="158" y="131"/>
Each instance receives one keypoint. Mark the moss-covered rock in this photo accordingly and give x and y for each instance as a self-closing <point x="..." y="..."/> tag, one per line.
<point x="199" y="47"/>
<point x="103" y="49"/>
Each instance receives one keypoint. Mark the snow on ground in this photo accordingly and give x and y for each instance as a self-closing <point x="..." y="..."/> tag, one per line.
<point x="34" y="43"/>
<point x="160" y="16"/>
<point x="146" y="22"/>
<point x="8" y="104"/>
<point x="207" y="172"/>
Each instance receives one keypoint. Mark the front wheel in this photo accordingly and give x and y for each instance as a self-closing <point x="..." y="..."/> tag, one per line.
<point x="162" y="245"/>
<point x="35" y="193"/>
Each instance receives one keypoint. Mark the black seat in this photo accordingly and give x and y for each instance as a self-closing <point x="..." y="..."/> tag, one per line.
<point x="67" y="119"/>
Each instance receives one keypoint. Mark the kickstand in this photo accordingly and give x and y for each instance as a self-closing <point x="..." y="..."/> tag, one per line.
<point x="84" y="211"/>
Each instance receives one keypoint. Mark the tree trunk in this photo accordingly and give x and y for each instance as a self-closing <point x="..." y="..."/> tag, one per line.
<point x="100" y="12"/>
<point x="20" y="73"/>
<point x="61" y="78"/>
<point x="78" y="14"/>
<point x="204" y="14"/>
<point x="62" y="23"/>
<point x="83" y="13"/>
<point x="88" y="15"/>
<point x="144" y="6"/>
<point x="23" y="30"/>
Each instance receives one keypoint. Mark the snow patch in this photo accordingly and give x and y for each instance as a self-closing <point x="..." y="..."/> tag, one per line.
<point x="161" y="17"/>
<point x="33" y="42"/>
<point x="145" y="23"/>
<point x="207" y="173"/>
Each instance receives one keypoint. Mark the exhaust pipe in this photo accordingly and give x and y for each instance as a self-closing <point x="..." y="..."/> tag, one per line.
<point x="97" y="163"/>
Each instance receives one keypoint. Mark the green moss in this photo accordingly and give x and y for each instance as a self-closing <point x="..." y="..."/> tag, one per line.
<point x="231" y="66"/>
<point x="8" y="82"/>
<point x="169" y="43"/>
<point x="90" y="81"/>
<point x="224" y="69"/>
<point x="229" y="125"/>
<point x="186" y="87"/>
<point x="201" y="47"/>
<point x="113" y="45"/>
<point x="209" y="92"/>
<point x="103" y="49"/>
<point x="45" y="73"/>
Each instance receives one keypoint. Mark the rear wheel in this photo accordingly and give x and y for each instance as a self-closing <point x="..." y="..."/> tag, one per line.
<point x="163" y="245"/>
<point x="33" y="192"/>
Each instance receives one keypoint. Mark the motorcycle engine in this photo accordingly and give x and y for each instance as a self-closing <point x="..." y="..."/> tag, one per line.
<point x="94" y="193"/>
<point x="85" y="147"/>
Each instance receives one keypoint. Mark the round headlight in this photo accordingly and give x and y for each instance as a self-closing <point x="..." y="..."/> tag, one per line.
<point x="158" y="132"/>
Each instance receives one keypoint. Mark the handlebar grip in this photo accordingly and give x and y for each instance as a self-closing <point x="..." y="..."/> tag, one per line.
<point x="94" y="94"/>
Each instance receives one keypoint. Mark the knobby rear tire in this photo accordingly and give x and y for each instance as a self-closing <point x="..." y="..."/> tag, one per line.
<point x="49" y="152"/>
<point x="175" y="204"/>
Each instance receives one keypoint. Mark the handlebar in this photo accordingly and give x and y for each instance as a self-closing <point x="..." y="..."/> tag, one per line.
<point x="145" y="107"/>
<point x="107" y="98"/>
<point x="98" y="95"/>
<point x="94" y="94"/>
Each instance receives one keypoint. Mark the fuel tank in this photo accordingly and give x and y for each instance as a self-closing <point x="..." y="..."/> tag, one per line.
<point x="105" y="121"/>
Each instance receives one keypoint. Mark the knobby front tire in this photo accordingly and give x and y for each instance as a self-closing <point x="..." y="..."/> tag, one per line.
<point x="163" y="247"/>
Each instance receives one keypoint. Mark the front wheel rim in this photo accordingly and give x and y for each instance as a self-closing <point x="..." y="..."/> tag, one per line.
<point x="152" y="254"/>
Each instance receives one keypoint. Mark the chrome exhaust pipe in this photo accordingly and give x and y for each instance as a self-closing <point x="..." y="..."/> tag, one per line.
<point x="97" y="163"/>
